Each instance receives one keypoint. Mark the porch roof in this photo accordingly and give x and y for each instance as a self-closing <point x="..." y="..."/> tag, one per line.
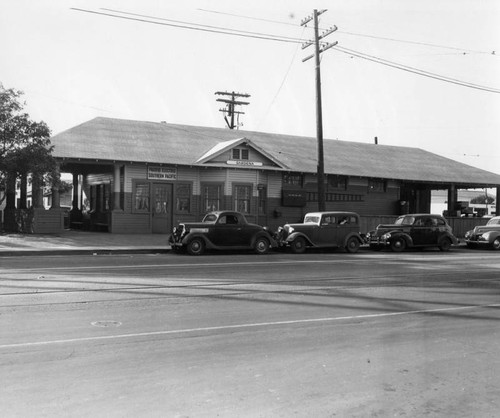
<point x="107" y="139"/>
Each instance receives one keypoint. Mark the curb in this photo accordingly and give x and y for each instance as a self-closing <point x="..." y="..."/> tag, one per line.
<point x="83" y="251"/>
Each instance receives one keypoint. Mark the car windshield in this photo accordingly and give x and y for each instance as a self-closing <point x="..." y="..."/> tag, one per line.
<point x="210" y="218"/>
<point x="311" y="219"/>
<point x="405" y="220"/>
<point x="494" y="221"/>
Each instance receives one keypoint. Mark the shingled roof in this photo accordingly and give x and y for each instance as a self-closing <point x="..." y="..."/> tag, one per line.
<point x="107" y="139"/>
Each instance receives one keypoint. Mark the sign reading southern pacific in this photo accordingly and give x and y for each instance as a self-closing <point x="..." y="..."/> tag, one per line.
<point x="162" y="173"/>
<point x="245" y="163"/>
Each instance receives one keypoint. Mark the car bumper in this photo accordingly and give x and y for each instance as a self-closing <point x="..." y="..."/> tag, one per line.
<point x="477" y="244"/>
<point x="377" y="243"/>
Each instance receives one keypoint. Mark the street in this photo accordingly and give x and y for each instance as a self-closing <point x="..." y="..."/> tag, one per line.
<point x="323" y="334"/>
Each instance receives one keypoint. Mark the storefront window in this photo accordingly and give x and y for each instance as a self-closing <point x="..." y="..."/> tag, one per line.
<point x="141" y="197"/>
<point x="183" y="198"/>
<point x="212" y="195"/>
<point x="242" y="198"/>
<point x="292" y="179"/>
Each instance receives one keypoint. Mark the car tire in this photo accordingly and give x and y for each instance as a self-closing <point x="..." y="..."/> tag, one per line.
<point x="196" y="246"/>
<point x="298" y="245"/>
<point x="445" y="244"/>
<point x="496" y="244"/>
<point x="261" y="245"/>
<point x="352" y="245"/>
<point x="398" y="244"/>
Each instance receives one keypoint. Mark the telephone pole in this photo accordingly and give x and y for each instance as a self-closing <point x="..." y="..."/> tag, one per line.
<point x="319" y="48"/>
<point x="229" y="110"/>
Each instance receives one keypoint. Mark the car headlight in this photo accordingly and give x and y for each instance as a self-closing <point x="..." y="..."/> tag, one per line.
<point x="290" y="229"/>
<point x="484" y="237"/>
<point x="468" y="234"/>
<point x="386" y="236"/>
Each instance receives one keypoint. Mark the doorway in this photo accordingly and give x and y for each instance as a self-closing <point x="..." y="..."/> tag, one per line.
<point x="161" y="208"/>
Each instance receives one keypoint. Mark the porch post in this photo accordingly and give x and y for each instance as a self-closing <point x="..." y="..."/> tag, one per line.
<point x="10" y="224"/>
<point x="24" y="191"/>
<point x="36" y="190"/>
<point x="452" y="200"/>
<point x="116" y="187"/>
<point x="497" y="202"/>
<point x="56" y="196"/>
<point x="75" y="202"/>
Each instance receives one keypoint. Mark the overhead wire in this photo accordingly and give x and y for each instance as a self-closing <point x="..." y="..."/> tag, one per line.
<point x="263" y="36"/>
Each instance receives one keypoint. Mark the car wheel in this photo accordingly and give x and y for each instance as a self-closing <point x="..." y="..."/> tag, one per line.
<point x="352" y="245"/>
<point x="298" y="245"/>
<point x="398" y="244"/>
<point x="261" y="245"/>
<point x="445" y="244"/>
<point x="196" y="246"/>
<point x="496" y="244"/>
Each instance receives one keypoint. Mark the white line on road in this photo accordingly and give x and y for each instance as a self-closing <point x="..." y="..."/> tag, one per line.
<point x="243" y="326"/>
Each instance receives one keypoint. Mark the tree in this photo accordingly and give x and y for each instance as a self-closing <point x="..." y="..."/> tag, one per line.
<point x="24" y="144"/>
<point x="483" y="199"/>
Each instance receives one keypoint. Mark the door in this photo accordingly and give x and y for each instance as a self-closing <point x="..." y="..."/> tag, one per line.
<point x="161" y="208"/>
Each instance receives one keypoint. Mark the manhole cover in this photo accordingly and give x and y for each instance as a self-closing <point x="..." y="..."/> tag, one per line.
<point x="104" y="324"/>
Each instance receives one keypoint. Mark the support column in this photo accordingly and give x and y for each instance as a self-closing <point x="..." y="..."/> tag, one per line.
<point x="116" y="187"/>
<point x="37" y="191"/>
<point x="10" y="224"/>
<point x="56" y="196"/>
<point x="75" y="201"/>
<point x="24" y="192"/>
<point x="452" y="200"/>
<point x="497" y="202"/>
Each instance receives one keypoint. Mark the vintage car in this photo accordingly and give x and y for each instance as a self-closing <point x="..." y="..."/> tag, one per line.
<point x="413" y="230"/>
<point x="221" y="230"/>
<point x="322" y="230"/>
<point x="485" y="236"/>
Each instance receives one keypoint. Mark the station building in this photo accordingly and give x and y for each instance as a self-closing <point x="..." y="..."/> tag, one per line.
<point x="145" y="177"/>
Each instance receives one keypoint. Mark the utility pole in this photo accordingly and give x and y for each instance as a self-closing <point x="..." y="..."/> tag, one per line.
<point x="230" y="104"/>
<point x="319" y="48"/>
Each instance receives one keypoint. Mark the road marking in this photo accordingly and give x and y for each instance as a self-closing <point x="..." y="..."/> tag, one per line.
<point x="245" y="326"/>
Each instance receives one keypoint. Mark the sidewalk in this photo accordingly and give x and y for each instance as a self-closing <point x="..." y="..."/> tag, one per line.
<point x="81" y="242"/>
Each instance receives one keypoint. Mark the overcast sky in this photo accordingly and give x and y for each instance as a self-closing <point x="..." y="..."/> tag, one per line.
<point x="74" y="66"/>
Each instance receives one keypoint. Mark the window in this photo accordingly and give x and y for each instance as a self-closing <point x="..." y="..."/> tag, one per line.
<point x="141" y="197"/>
<point x="240" y="154"/>
<point x="337" y="182"/>
<point x="183" y="198"/>
<point x="211" y="197"/>
<point x="262" y="200"/>
<point x="292" y="179"/>
<point x="376" y="186"/>
<point x="241" y="197"/>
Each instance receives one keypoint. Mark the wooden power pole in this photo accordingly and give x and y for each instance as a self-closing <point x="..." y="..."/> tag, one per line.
<point x="229" y="110"/>
<point x="319" y="48"/>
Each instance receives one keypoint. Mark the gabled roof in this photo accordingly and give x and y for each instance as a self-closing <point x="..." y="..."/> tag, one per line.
<point x="106" y="139"/>
<point x="222" y="147"/>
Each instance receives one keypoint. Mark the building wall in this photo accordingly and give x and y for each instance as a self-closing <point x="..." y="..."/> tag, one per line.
<point x="360" y="195"/>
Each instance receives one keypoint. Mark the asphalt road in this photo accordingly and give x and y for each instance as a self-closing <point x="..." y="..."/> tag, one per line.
<point x="238" y="335"/>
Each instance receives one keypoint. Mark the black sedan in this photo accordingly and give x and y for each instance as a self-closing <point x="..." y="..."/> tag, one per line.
<point x="221" y="230"/>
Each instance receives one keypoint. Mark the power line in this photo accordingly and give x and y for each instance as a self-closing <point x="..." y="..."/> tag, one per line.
<point x="263" y="36"/>
<point x="357" y="34"/>
<point x="415" y="70"/>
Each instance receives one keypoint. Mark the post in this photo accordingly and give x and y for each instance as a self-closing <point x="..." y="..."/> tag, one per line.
<point x="319" y="120"/>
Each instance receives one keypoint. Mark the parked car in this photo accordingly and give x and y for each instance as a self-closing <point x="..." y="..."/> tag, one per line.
<point x="221" y="230"/>
<point x="322" y="230"/>
<point x="485" y="236"/>
<point x="414" y="230"/>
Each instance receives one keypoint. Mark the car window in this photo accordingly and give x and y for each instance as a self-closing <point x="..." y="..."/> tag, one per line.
<point x="328" y="220"/>
<point x="311" y="219"/>
<point x="210" y="218"/>
<point x="228" y="220"/>
<point x="343" y="220"/>
<point x="405" y="220"/>
<point x="494" y="221"/>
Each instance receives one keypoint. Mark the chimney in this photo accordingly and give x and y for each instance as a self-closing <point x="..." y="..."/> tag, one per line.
<point x="376" y="141"/>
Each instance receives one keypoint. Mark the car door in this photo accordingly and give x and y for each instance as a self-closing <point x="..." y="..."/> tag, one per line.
<point x="226" y="231"/>
<point x="424" y="231"/>
<point x="326" y="233"/>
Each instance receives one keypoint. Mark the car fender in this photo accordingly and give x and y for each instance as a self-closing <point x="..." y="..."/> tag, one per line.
<point x="268" y="236"/>
<point x="353" y="234"/>
<point x="452" y="237"/>
<point x="295" y="235"/>
<point x="400" y="234"/>
<point x="208" y="244"/>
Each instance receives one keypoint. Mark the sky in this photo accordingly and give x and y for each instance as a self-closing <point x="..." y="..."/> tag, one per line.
<point x="75" y="65"/>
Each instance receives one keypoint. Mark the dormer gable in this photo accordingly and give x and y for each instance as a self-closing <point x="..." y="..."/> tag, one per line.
<point x="239" y="152"/>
